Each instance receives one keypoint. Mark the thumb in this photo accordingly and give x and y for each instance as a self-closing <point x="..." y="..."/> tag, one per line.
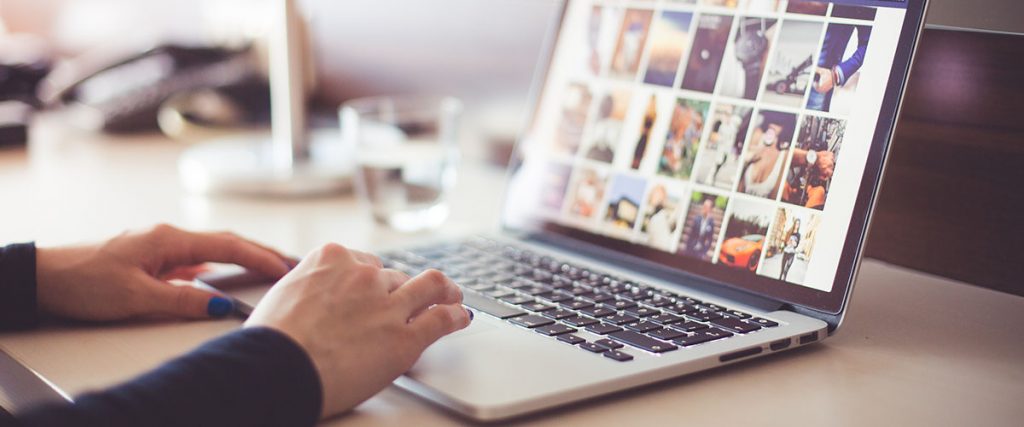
<point x="189" y="302"/>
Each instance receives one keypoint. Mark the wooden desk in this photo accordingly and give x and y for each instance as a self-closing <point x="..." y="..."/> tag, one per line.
<point x="916" y="349"/>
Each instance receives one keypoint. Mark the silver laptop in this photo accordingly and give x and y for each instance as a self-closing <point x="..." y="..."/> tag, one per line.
<point x="693" y="191"/>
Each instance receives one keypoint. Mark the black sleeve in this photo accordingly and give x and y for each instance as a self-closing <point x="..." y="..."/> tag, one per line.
<point x="18" y="287"/>
<point x="251" y="377"/>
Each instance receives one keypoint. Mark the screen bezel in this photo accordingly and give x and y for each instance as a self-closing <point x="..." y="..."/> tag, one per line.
<point x="832" y="302"/>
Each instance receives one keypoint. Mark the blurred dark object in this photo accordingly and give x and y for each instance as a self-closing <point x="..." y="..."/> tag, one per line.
<point x="14" y="117"/>
<point x="19" y="81"/>
<point x="24" y="62"/>
<point x="126" y="96"/>
<point x="951" y="203"/>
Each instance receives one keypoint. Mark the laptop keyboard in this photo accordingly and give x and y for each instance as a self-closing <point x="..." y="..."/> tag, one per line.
<point x="558" y="299"/>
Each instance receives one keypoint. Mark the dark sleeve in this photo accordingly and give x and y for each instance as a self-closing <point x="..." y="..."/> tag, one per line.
<point x="251" y="377"/>
<point x="18" y="287"/>
<point x="850" y="66"/>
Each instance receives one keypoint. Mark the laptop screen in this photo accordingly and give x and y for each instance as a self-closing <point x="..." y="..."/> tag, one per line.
<point x="725" y="138"/>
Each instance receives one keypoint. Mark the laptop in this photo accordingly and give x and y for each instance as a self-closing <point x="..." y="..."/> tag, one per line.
<point x="693" y="191"/>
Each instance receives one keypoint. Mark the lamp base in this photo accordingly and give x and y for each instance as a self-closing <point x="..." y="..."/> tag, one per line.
<point x="244" y="166"/>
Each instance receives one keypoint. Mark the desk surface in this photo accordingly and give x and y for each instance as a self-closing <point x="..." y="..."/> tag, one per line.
<point x="915" y="350"/>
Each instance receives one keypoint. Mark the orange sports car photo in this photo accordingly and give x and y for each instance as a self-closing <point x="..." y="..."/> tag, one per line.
<point x="742" y="252"/>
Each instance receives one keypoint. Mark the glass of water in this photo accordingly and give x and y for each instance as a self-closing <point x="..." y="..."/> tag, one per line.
<point x="406" y="149"/>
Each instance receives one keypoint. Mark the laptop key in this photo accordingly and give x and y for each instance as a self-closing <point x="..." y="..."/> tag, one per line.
<point x="657" y="301"/>
<point x="517" y="299"/>
<point x="557" y="297"/>
<point x="597" y="311"/>
<point x="738" y="314"/>
<point x="705" y="315"/>
<point x="531" y="321"/>
<point x="538" y="306"/>
<point x="643" y="326"/>
<point x="576" y="304"/>
<point x="666" y="334"/>
<point x="579" y="321"/>
<point x="621" y="304"/>
<point x="735" y="325"/>
<point x="666" y="319"/>
<point x="558" y="314"/>
<point x="689" y="326"/>
<point x="681" y="308"/>
<point x="489" y="306"/>
<point x="608" y="343"/>
<point x="702" y="337"/>
<point x="571" y="339"/>
<point x="599" y="297"/>
<point x="642" y="311"/>
<point x="536" y="290"/>
<point x="642" y="342"/>
<point x="554" y="330"/>
<point x="618" y="355"/>
<point x="714" y="307"/>
<point x="603" y="328"/>
<point x="595" y="348"/>
<point x="620" y="319"/>
<point x="764" y="323"/>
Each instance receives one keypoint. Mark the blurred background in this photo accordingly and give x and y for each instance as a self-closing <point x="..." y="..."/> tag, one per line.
<point x="958" y="140"/>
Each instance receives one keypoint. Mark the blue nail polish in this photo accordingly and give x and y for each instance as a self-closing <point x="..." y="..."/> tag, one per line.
<point x="219" y="307"/>
<point x="470" y="314"/>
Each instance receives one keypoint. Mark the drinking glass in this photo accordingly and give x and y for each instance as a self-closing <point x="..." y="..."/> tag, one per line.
<point x="406" y="149"/>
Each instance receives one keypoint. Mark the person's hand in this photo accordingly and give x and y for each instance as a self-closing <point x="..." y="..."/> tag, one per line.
<point x="126" y="277"/>
<point x="825" y="164"/>
<point x="362" y="325"/>
<point x="825" y="82"/>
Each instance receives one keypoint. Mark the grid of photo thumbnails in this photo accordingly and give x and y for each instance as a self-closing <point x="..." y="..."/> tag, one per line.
<point x="708" y="128"/>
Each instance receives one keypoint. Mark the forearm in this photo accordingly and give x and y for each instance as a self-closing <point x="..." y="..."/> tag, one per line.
<point x="18" y="307"/>
<point x="251" y="377"/>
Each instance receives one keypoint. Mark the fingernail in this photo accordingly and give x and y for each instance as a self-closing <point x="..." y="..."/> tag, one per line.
<point x="470" y="312"/>
<point x="219" y="307"/>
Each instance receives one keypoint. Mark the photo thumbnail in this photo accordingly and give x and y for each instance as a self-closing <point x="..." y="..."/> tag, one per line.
<point x="761" y="6"/>
<point x="766" y="152"/>
<point x="662" y="217"/>
<point x="838" y="70"/>
<point x="587" y="193"/>
<point x="683" y="140"/>
<point x="630" y="44"/>
<point x="554" y="185"/>
<point x="745" y="57"/>
<point x="669" y="39"/>
<point x="790" y="245"/>
<point x="720" y="159"/>
<point x="817" y="8"/>
<point x="745" y="235"/>
<point x="706" y="54"/>
<point x="624" y="197"/>
<point x="814" y="162"/>
<point x="729" y="4"/>
<point x="575" y="105"/>
<point x="601" y="32"/>
<point x="792" y="65"/>
<point x="703" y="225"/>
<point x="643" y="140"/>
<point x="606" y="130"/>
